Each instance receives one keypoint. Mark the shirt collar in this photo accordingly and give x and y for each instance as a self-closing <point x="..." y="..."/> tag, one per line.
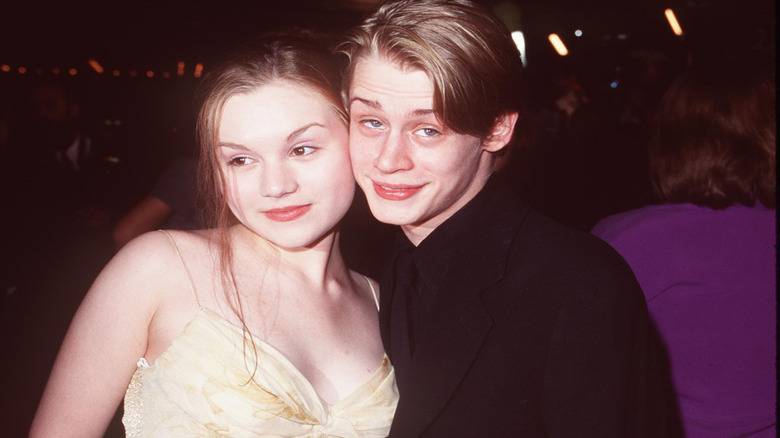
<point x="433" y="254"/>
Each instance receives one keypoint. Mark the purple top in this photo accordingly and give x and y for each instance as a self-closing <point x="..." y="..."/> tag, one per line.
<point x="710" y="282"/>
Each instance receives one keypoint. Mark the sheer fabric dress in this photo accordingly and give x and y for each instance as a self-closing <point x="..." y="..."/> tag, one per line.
<point x="200" y="387"/>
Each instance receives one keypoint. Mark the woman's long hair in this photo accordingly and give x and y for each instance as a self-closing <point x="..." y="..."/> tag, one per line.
<point x="295" y="56"/>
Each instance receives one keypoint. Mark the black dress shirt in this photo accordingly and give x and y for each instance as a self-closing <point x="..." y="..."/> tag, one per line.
<point x="418" y="273"/>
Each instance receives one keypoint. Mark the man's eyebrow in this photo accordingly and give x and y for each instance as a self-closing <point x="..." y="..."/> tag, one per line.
<point x="423" y="112"/>
<point x="370" y="103"/>
<point x="376" y="105"/>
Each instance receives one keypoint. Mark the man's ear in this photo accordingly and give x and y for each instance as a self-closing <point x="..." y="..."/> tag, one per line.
<point x="501" y="133"/>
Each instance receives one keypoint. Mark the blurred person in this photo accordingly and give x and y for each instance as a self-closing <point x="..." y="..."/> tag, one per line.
<point x="557" y="169"/>
<point x="61" y="181"/>
<point x="71" y="170"/>
<point x="499" y="321"/>
<point x="706" y="257"/>
<point x="254" y="327"/>
<point x="171" y="204"/>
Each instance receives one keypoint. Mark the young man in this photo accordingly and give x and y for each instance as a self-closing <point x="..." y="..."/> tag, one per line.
<point x="499" y="321"/>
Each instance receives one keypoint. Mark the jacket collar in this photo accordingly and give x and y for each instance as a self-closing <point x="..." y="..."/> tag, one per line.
<point x="458" y="321"/>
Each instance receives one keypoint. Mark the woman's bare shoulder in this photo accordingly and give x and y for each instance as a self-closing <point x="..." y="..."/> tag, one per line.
<point x="165" y="245"/>
<point x="149" y="258"/>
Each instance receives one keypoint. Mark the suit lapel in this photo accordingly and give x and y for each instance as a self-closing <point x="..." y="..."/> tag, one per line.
<point x="458" y="322"/>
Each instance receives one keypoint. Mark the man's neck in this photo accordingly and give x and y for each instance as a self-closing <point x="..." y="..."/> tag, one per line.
<point x="416" y="233"/>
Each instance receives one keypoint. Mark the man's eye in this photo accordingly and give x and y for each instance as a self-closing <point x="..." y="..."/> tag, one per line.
<point x="300" y="151"/>
<point x="372" y="123"/>
<point x="428" y="132"/>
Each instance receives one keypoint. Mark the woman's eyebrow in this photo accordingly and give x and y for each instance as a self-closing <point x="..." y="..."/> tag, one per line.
<point x="298" y="132"/>
<point x="233" y="146"/>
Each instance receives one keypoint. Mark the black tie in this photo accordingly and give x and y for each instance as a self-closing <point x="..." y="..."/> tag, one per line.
<point x="404" y="312"/>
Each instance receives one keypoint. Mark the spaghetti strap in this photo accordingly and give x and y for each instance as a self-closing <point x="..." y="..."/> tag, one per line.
<point x="184" y="267"/>
<point x="373" y="292"/>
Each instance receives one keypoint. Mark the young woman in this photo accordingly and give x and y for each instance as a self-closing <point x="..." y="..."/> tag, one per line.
<point x="255" y="326"/>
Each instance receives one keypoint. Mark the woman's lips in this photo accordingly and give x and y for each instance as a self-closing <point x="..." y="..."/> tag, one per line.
<point x="395" y="192"/>
<point x="287" y="214"/>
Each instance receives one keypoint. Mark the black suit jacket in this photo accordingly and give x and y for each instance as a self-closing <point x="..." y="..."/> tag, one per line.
<point x="538" y="331"/>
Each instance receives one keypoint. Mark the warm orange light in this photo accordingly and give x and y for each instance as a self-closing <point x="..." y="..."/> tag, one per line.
<point x="180" y="68"/>
<point x="198" y="70"/>
<point x="22" y="70"/>
<point x="95" y="66"/>
<point x="73" y="72"/>
<point x="5" y="67"/>
<point x="556" y="42"/>
<point x="672" y="19"/>
<point x="116" y="73"/>
<point x="149" y="74"/>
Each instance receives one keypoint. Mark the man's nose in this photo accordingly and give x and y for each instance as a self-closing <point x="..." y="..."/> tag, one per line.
<point x="394" y="154"/>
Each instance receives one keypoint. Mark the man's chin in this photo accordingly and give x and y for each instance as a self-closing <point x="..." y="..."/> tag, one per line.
<point x="388" y="216"/>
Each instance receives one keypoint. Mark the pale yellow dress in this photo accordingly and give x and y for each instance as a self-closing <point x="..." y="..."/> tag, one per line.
<point x="200" y="387"/>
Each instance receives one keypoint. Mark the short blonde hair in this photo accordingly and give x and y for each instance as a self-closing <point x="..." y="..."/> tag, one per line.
<point x="465" y="50"/>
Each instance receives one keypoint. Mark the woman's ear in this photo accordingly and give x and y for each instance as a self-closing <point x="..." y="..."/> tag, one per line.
<point x="501" y="133"/>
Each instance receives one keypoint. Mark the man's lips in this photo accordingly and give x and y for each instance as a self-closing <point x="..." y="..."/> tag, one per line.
<point x="395" y="192"/>
<point x="286" y="214"/>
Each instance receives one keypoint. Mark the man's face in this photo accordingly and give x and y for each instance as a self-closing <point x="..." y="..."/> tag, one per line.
<point x="415" y="171"/>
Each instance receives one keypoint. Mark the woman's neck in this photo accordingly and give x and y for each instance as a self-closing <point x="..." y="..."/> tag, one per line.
<point x="318" y="264"/>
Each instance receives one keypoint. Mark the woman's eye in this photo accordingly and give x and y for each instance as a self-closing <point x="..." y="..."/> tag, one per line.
<point x="375" y="124"/>
<point x="239" y="161"/>
<point x="301" y="151"/>
<point x="428" y="132"/>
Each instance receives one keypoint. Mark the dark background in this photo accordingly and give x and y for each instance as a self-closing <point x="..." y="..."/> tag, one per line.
<point x="577" y="172"/>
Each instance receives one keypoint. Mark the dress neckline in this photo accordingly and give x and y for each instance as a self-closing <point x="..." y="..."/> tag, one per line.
<point x="278" y="355"/>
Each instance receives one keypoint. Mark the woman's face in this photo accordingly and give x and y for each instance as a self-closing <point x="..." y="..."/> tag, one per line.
<point x="284" y="154"/>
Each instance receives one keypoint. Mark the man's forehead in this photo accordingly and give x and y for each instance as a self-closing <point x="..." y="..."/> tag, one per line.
<point x="374" y="75"/>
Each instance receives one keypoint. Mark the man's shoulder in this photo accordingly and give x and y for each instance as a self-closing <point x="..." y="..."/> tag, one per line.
<point x="549" y="251"/>
<point x="537" y="233"/>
